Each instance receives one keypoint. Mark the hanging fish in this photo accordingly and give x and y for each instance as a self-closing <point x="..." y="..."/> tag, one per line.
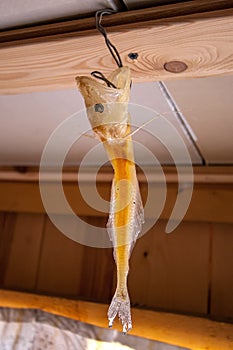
<point x="107" y="110"/>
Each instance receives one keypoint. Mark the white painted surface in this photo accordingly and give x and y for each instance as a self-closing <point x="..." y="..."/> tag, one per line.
<point x="207" y="104"/>
<point x="28" y="120"/>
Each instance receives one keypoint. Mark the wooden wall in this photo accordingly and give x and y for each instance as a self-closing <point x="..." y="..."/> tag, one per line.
<point x="190" y="270"/>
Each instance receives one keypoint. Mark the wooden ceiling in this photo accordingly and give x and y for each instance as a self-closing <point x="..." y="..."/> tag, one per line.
<point x="49" y="57"/>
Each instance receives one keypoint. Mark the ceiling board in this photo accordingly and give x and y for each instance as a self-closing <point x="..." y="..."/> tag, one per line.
<point x="28" y="120"/>
<point x="24" y="12"/>
<point x="207" y="104"/>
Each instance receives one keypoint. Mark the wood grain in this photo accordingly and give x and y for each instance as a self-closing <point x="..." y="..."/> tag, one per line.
<point x="98" y="269"/>
<point x="185" y="331"/>
<point x="25" y="252"/>
<point x="215" y="199"/>
<point x="69" y="268"/>
<point x="187" y="271"/>
<point x="202" y="174"/>
<point x="2" y="219"/>
<point x="42" y="32"/>
<point x="20" y="198"/>
<point x="170" y="272"/>
<point x="60" y="263"/>
<point x="222" y="272"/>
<point x="7" y="226"/>
<point x="203" y="42"/>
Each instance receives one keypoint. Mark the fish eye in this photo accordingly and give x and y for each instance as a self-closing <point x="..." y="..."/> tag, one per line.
<point x="99" y="108"/>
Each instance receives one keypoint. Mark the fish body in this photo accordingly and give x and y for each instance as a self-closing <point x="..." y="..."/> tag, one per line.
<point x="107" y="110"/>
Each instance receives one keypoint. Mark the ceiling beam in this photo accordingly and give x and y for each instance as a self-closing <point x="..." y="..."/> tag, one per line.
<point x="202" y="174"/>
<point x="213" y="188"/>
<point x="178" y="330"/>
<point x="46" y="58"/>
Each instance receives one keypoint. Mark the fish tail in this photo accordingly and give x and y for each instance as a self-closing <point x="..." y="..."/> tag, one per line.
<point x="120" y="306"/>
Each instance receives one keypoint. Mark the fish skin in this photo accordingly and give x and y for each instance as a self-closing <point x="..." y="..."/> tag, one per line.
<point x="110" y="121"/>
<point x="125" y="206"/>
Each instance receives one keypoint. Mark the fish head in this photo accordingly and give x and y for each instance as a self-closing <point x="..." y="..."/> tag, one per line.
<point x="107" y="106"/>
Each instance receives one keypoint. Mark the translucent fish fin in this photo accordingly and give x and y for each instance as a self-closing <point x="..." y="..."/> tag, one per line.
<point x="136" y="216"/>
<point x="110" y="223"/>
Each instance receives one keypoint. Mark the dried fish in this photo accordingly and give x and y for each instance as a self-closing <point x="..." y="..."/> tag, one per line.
<point x="107" y="111"/>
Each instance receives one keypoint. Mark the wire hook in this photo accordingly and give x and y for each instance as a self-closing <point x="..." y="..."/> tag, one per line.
<point x="112" y="49"/>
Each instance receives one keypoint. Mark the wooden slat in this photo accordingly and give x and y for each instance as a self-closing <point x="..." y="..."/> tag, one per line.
<point x="60" y="264"/>
<point x="208" y="204"/>
<point x="189" y="270"/>
<point x="203" y="41"/>
<point x="69" y="268"/>
<point x="2" y="219"/>
<point x="211" y="203"/>
<point x="97" y="270"/>
<point x="18" y="197"/>
<point x="202" y="174"/>
<point x="222" y="272"/>
<point x="7" y="226"/>
<point x="171" y="272"/>
<point x="25" y="251"/>
<point x="190" y="332"/>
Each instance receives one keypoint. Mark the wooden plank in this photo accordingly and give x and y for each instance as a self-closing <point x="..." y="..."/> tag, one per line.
<point x="2" y="267"/>
<point x="2" y="219"/>
<point x="211" y="203"/>
<point x="222" y="272"/>
<point x="170" y="272"/>
<point x="203" y="41"/>
<point x="215" y="199"/>
<point x="6" y="237"/>
<point x="19" y="197"/>
<point x="25" y="251"/>
<point x="60" y="264"/>
<point x="69" y="268"/>
<point x="180" y="330"/>
<point x="202" y="174"/>
<point x="98" y="269"/>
